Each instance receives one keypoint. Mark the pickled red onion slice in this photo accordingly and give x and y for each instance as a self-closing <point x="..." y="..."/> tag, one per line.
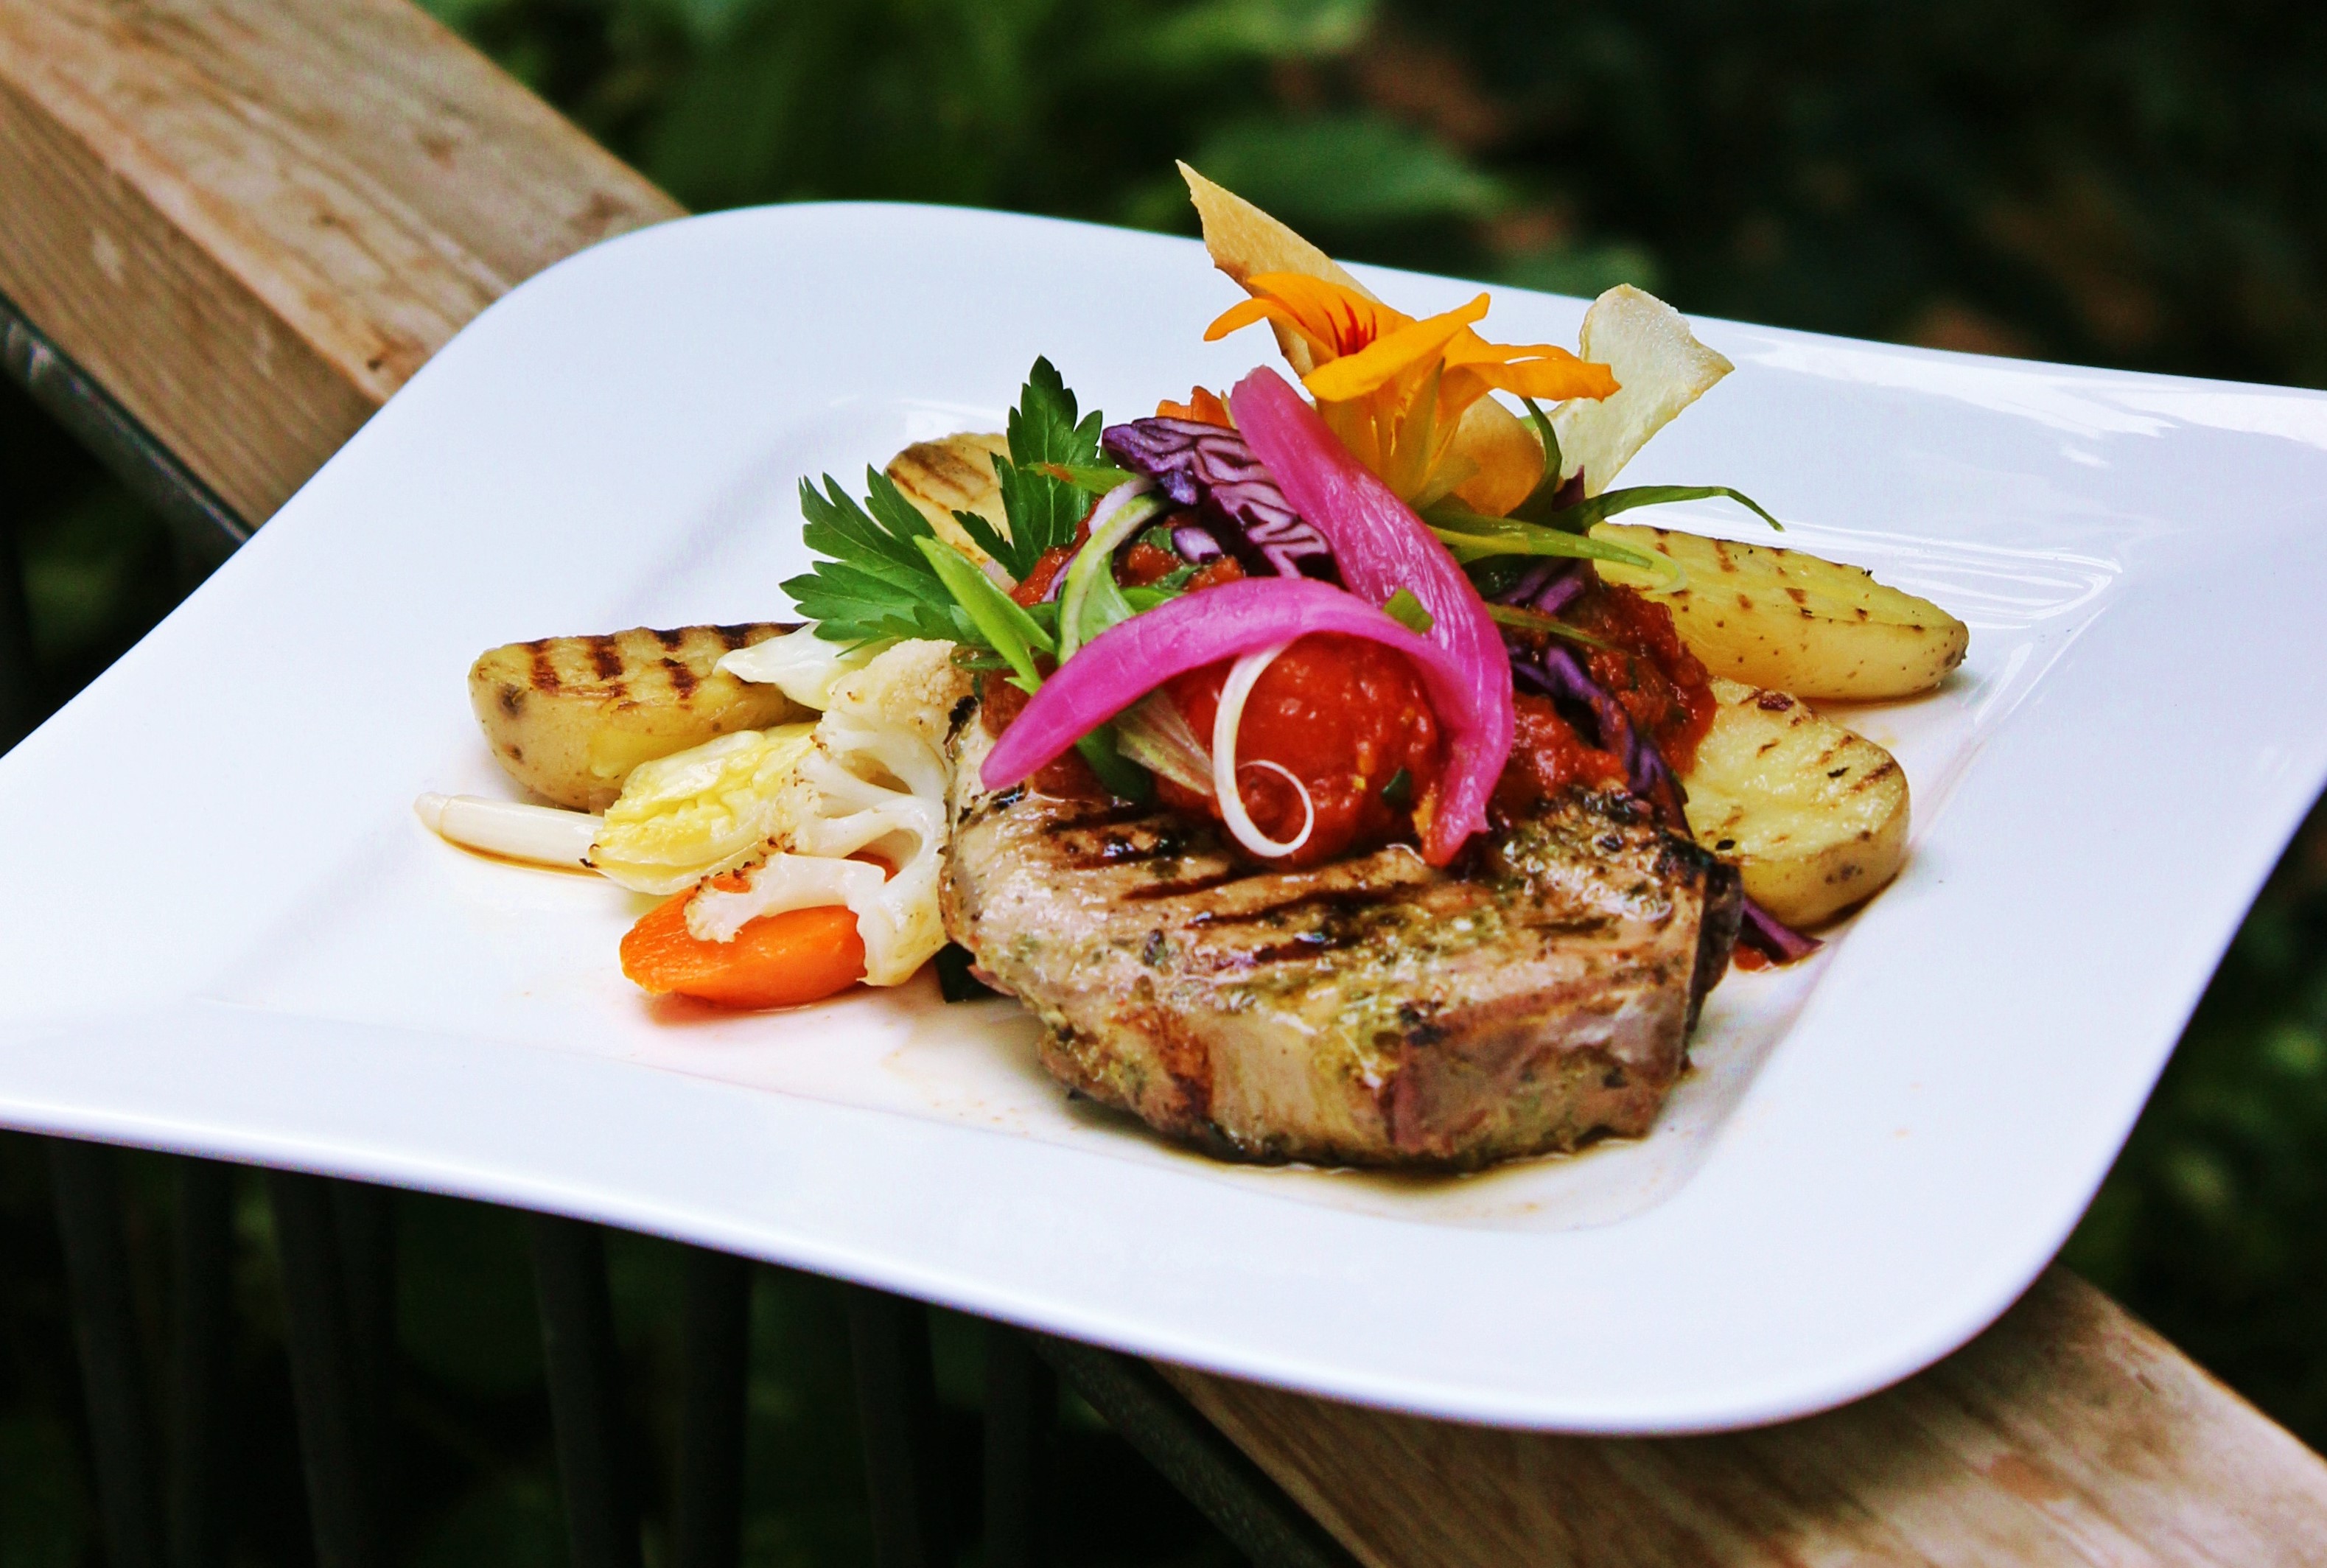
<point x="1381" y="547"/>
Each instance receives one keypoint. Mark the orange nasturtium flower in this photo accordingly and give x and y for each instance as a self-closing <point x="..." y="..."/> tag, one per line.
<point x="1394" y="388"/>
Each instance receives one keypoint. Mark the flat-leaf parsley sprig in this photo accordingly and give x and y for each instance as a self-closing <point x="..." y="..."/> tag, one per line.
<point x="878" y="583"/>
<point x="1043" y="507"/>
<point x="887" y="574"/>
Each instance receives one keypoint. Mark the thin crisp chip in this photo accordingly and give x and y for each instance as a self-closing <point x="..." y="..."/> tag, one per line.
<point x="1660" y="369"/>
<point x="955" y="474"/>
<point x="1246" y="242"/>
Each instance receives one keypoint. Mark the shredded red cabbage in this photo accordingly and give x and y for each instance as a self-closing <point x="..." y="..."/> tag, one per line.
<point x="1239" y="507"/>
<point x="1547" y="587"/>
<point x="1558" y="672"/>
<point x="1195" y="544"/>
<point x="1772" y="937"/>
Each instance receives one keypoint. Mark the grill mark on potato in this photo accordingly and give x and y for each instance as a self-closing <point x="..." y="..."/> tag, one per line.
<point x="674" y="640"/>
<point x="1872" y="777"/>
<point x="605" y="657"/>
<point x="682" y="679"/>
<point x="935" y="472"/>
<point x="945" y="468"/>
<point x="542" y="671"/>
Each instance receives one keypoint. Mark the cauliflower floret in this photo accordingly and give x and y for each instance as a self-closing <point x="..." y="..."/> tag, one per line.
<point x="874" y="782"/>
<point x="701" y="811"/>
<point x="911" y="686"/>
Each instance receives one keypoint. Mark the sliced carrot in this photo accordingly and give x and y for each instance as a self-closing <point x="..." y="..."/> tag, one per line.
<point x="775" y="961"/>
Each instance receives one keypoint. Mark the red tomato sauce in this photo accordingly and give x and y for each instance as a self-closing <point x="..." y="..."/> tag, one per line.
<point x="1343" y="716"/>
<point x="999" y="704"/>
<point x="1144" y="563"/>
<point x="1548" y="756"/>
<point x="1033" y="587"/>
<point x="1662" y="686"/>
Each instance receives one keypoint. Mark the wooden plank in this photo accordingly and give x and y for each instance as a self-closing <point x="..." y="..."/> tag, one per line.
<point x="253" y="220"/>
<point x="2068" y="1433"/>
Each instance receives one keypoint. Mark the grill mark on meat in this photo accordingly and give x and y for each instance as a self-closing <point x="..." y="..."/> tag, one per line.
<point x="1571" y="926"/>
<point x="1302" y="947"/>
<point x="1188" y="888"/>
<point x="1087" y="813"/>
<point x="1328" y="903"/>
<point x="1108" y="837"/>
<point x="1114" y="849"/>
<point x="1185" y="1058"/>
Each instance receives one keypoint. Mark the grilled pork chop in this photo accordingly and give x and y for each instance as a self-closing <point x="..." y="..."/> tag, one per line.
<point x="1374" y="1010"/>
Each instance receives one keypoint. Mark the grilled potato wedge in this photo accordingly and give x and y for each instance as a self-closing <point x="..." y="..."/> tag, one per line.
<point x="956" y="474"/>
<point x="1792" y="622"/>
<point x="569" y="717"/>
<point x="1814" y="817"/>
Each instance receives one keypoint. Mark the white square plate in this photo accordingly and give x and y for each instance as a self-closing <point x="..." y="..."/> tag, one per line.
<point x="227" y="933"/>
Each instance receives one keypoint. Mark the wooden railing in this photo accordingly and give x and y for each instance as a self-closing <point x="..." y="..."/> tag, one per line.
<point x="229" y="229"/>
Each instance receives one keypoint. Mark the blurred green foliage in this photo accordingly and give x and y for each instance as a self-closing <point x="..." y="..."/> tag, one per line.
<point x="2129" y="184"/>
<point x="2213" y="1223"/>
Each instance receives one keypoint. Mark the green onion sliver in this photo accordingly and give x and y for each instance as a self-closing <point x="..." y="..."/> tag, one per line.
<point x="1472" y="538"/>
<point x="1608" y="503"/>
<point x="1005" y="625"/>
<point x="1096" y="477"/>
<point x="1095" y="561"/>
<point x="1520" y="619"/>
